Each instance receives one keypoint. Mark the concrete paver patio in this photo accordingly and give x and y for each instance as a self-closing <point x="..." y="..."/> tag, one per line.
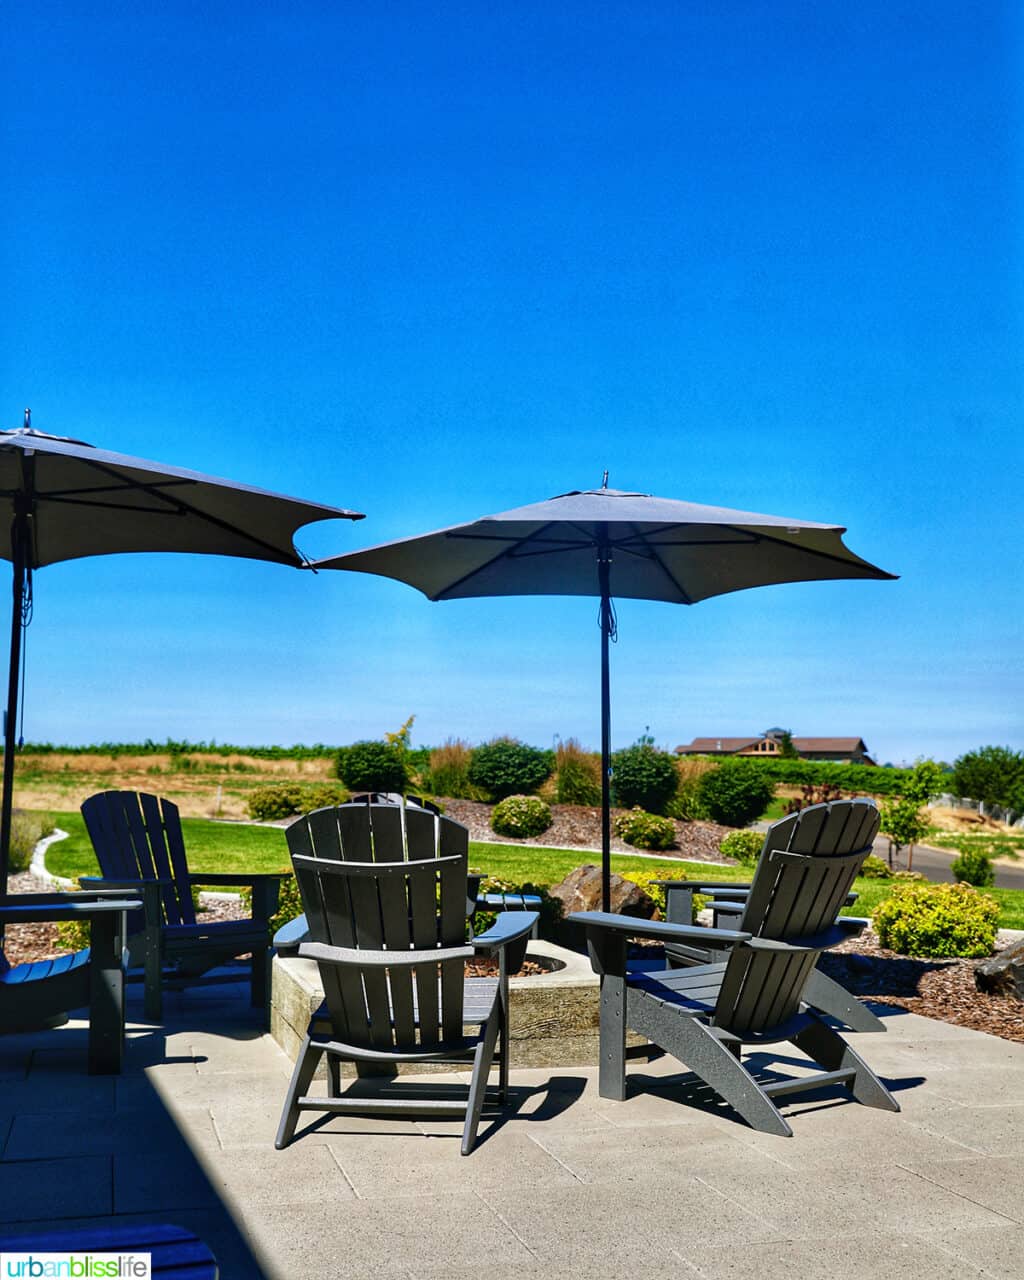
<point x="565" y="1185"/>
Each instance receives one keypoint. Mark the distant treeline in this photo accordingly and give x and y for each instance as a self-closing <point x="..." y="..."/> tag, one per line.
<point x="852" y="779"/>
<point x="183" y="747"/>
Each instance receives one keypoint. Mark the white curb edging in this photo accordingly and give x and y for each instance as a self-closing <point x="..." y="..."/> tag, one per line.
<point x="38" y="863"/>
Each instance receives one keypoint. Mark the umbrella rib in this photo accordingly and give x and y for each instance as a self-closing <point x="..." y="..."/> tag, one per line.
<point x="70" y="495"/>
<point x="684" y="594"/>
<point x="114" y="506"/>
<point x="822" y="555"/>
<point x="188" y="508"/>
<point x="504" y="553"/>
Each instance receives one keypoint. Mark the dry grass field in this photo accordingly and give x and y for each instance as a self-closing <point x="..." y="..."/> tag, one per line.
<point x="203" y="785"/>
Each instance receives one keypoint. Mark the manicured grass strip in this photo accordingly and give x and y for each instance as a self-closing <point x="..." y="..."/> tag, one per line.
<point x="212" y="846"/>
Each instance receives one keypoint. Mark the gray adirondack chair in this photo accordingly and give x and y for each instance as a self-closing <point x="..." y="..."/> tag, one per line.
<point x="139" y="845"/>
<point x="384" y="889"/>
<point x="704" y="1015"/>
<point x="840" y="827"/>
<point x="42" y="993"/>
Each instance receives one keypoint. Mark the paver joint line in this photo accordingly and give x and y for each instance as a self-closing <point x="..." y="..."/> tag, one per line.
<point x="960" y="1195"/>
<point x="502" y="1219"/>
<point x="334" y="1157"/>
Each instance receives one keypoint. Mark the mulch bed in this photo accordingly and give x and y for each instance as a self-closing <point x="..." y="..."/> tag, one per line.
<point x="940" y="989"/>
<point x="579" y="826"/>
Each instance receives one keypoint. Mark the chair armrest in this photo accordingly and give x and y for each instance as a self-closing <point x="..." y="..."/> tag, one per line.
<point x="726" y="887"/>
<point x="232" y="877"/>
<point x="287" y="939"/>
<point x="658" y="929"/>
<point x="363" y="957"/>
<point x="55" y="911"/>
<point x="836" y="933"/>
<point x="105" y="882"/>
<point x="726" y="906"/>
<point x="265" y="886"/>
<point x="508" y="927"/>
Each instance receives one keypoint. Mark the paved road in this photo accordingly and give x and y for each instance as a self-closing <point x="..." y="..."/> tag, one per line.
<point x="935" y="864"/>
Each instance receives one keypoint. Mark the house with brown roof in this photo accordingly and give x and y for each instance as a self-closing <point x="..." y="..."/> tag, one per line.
<point x="768" y="746"/>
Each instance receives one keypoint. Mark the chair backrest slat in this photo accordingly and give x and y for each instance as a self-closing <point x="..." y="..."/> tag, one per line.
<point x="416" y="900"/>
<point x="806" y="869"/>
<point x="388" y="847"/>
<point x="137" y="836"/>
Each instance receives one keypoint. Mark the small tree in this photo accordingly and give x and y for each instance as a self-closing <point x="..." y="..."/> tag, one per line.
<point x="903" y="818"/>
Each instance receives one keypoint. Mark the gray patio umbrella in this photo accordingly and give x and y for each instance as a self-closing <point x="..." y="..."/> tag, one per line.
<point x="606" y="543"/>
<point x="65" y="499"/>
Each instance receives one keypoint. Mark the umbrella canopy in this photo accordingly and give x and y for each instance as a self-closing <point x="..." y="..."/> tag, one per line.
<point x="64" y="499"/>
<point x="604" y="542"/>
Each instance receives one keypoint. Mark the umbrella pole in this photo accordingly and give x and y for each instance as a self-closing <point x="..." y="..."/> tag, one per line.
<point x="19" y="547"/>
<point x="603" y="571"/>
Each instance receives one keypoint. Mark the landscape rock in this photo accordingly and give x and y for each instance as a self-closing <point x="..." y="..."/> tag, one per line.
<point x="581" y="891"/>
<point x="1003" y="973"/>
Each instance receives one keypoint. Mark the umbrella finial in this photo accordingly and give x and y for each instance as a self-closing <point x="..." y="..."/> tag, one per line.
<point x="28" y="420"/>
<point x="604" y="482"/>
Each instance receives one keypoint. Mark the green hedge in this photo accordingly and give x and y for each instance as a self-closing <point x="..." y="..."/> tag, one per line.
<point x="852" y="779"/>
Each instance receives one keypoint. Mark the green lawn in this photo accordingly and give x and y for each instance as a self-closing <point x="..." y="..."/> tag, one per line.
<point x="226" y="846"/>
<point x="212" y="846"/>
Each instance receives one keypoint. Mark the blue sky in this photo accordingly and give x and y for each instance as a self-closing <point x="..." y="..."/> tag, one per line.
<point x="434" y="262"/>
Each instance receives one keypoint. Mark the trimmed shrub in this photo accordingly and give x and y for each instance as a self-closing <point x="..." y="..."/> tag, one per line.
<point x="643" y="778"/>
<point x="506" y="767"/>
<point x="270" y="804"/>
<point x="520" y="816"/>
<point x="577" y="774"/>
<point x="372" y="766"/>
<point x="974" y="867"/>
<point x="645" y="830"/>
<point x="449" y="771"/>
<point x="736" y="793"/>
<point x="744" y="846"/>
<point x="875" y="868"/>
<point x="937" y="920"/>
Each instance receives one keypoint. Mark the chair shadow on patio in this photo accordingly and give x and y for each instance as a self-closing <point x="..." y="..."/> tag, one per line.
<point x="525" y="1105"/>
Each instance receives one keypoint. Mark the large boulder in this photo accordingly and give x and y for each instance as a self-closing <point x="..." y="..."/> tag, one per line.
<point x="1003" y="973"/>
<point x="581" y="891"/>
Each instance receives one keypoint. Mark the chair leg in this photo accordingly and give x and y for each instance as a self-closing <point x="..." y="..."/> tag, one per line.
<point x="305" y="1068"/>
<point x="831" y="1051"/>
<point x="478" y="1083"/>
<point x="260" y="964"/>
<point x="611" y="1079"/>
<point x="106" y="996"/>
<point x="334" y="1075"/>
<point x="714" y="1061"/>
<point x="153" y="971"/>
<point x="829" y="996"/>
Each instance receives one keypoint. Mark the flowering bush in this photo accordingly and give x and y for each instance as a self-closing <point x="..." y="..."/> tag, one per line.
<point x="521" y="816"/>
<point x="744" y="846"/>
<point x="920" y="919"/>
<point x="645" y="830"/>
